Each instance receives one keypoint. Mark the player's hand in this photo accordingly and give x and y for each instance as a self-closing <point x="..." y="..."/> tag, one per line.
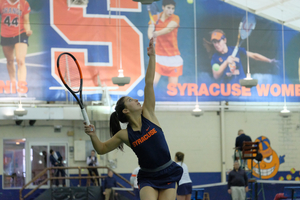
<point x="89" y="129"/>
<point x="232" y="59"/>
<point x="275" y="62"/>
<point x="229" y="191"/>
<point x="29" y="33"/>
<point x="246" y="189"/>
<point x="155" y="35"/>
<point x="104" y="193"/>
<point x="150" y="49"/>
<point x="152" y="26"/>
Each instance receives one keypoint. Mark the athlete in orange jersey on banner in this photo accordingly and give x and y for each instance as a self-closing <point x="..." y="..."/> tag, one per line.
<point x="15" y="30"/>
<point x="168" y="60"/>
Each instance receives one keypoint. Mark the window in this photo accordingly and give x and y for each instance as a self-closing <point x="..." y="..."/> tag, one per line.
<point x="13" y="163"/>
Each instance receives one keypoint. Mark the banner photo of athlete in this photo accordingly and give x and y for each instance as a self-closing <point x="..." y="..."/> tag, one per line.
<point x="108" y="36"/>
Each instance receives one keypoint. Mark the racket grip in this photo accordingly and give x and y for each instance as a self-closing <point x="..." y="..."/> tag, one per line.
<point x="85" y="117"/>
<point x="235" y="51"/>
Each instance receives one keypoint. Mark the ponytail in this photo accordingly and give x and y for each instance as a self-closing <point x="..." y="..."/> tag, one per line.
<point x="116" y="117"/>
<point x="209" y="47"/>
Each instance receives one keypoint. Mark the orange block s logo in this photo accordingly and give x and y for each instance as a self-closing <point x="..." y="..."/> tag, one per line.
<point x="76" y="27"/>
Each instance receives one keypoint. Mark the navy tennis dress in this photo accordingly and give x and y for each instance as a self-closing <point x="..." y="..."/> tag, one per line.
<point x="150" y="146"/>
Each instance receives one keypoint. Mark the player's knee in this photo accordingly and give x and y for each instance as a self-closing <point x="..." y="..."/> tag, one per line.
<point x="10" y="61"/>
<point x="20" y="62"/>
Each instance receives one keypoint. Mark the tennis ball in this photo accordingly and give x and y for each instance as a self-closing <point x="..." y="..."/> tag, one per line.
<point x="216" y="67"/>
<point x="293" y="170"/>
<point x="281" y="178"/>
<point x="190" y="1"/>
<point x="288" y="177"/>
<point x="297" y="179"/>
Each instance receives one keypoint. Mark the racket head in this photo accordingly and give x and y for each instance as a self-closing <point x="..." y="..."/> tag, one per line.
<point x="245" y="30"/>
<point x="69" y="72"/>
<point x="153" y="8"/>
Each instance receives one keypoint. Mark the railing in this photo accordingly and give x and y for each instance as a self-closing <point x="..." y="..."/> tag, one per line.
<point x="60" y="178"/>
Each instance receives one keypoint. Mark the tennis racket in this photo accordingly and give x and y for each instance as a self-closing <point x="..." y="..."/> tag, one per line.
<point x="70" y="74"/>
<point x="244" y="31"/>
<point x="153" y="10"/>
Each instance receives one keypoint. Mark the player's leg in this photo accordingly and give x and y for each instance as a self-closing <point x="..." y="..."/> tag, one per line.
<point x="63" y="174"/>
<point x="173" y="80"/>
<point x="156" y="78"/>
<point x="107" y="193"/>
<point x="57" y="175"/>
<point x="8" y="52"/>
<point x="167" y="194"/>
<point x="96" y="174"/>
<point x="21" y="51"/>
<point x="148" y="193"/>
<point x="181" y="197"/>
<point x="188" y="197"/>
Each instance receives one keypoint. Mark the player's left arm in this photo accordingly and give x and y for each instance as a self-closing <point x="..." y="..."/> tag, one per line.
<point x="259" y="57"/>
<point x="149" y="96"/>
<point x="27" y="25"/>
<point x="170" y="27"/>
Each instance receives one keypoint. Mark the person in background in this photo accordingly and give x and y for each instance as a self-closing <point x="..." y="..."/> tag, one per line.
<point x="134" y="182"/>
<point x="239" y="142"/>
<point x="93" y="162"/>
<point x="56" y="160"/>
<point x="164" y="31"/>
<point x="237" y="183"/>
<point x="228" y="68"/>
<point x="109" y="183"/>
<point x="184" y="190"/>
<point x="15" y="31"/>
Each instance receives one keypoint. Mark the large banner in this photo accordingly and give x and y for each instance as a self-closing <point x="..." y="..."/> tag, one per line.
<point x="196" y="54"/>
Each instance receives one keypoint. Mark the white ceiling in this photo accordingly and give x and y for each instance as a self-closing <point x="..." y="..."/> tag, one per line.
<point x="281" y="11"/>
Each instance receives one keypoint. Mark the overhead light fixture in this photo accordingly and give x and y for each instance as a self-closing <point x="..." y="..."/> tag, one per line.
<point x="248" y="82"/>
<point x="145" y="1"/>
<point x="20" y="111"/>
<point x="120" y="80"/>
<point x="197" y="112"/>
<point x="285" y="112"/>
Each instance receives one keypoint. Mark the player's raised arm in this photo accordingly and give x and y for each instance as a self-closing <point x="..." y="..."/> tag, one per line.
<point x="149" y="97"/>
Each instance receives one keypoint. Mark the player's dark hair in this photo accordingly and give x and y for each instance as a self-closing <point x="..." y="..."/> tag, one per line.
<point x="180" y="156"/>
<point x="51" y="151"/>
<point x="168" y="2"/>
<point x="209" y="45"/>
<point x="116" y="117"/>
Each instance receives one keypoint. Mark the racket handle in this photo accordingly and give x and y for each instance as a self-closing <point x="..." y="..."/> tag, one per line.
<point x="85" y="117"/>
<point x="235" y="51"/>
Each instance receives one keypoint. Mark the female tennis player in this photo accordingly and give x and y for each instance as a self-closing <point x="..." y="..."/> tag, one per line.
<point x="159" y="175"/>
<point x="15" y="30"/>
<point x="225" y="67"/>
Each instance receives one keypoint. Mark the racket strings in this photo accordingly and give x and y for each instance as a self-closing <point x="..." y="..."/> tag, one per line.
<point x="70" y="72"/>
